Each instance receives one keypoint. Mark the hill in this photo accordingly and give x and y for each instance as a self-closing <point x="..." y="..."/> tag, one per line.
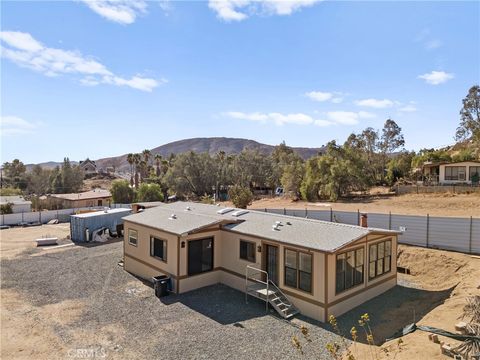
<point x="211" y="145"/>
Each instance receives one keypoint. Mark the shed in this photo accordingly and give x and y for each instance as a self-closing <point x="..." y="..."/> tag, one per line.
<point x="95" y="220"/>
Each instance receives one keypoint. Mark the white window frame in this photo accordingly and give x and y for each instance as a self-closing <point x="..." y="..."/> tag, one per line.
<point x="131" y="236"/>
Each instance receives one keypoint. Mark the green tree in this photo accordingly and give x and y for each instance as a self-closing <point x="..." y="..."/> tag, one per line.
<point x="399" y="167"/>
<point x="149" y="192"/>
<point x="6" y="209"/>
<point x="38" y="181"/>
<point x="470" y="116"/>
<point x="14" y="174"/>
<point x="392" y="139"/>
<point x="336" y="173"/>
<point x="241" y="196"/>
<point x="192" y="174"/>
<point x="292" y="176"/>
<point x="122" y="192"/>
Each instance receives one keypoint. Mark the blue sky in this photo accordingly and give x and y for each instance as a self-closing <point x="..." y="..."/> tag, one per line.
<point x="99" y="79"/>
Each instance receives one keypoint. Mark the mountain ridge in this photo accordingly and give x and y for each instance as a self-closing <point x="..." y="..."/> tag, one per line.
<point x="211" y="145"/>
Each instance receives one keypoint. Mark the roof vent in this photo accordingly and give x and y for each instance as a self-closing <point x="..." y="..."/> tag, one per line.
<point x="188" y="208"/>
<point x="224" y="211"/>
<point x="279" y="223"/>
<point x="239" y="213"/>
<point x="275" y="227"/>
<point x="105" y="209"/>
<point x="172" y="217"/>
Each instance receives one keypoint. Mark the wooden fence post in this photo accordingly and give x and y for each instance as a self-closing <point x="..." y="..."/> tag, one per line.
<point x="389" y="220"/>
<point x="284" y="211"/>
<point x="265" y="209"/>
<point x="358" y="217"/>
<point x="306" y="212"/>
<point x="428" y="229"/>
<point x="331" y="215"/>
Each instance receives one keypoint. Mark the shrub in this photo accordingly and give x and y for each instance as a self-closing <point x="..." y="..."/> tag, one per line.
<point x="240" y="196"/>
<point x="149" y="192"/>
<point x="121" y="192"/>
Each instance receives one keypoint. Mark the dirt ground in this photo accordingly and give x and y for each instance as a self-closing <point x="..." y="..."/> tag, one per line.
<point x="442" y="279"/>
<point x="448" y="278"/>
<point x="14" y="241"/>
<point x="447" y="204"/>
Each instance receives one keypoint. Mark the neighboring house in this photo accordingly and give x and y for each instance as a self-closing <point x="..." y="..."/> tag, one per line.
<point x="322" y="268"/>
<point x="19" y="204"/>
<point x="450" y="173"/>
<point x="88" y="166"/>
<point x="96" y="197"/>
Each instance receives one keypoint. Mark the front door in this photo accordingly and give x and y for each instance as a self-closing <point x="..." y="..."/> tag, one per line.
<point x="271" y="264"/>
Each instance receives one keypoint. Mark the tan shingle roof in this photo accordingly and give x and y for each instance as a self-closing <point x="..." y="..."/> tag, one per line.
<point x="314" y="234"/>
<point x="92" y="194"/>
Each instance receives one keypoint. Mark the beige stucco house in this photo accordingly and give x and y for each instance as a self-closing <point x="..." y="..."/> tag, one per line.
<point x="448" y="173"/>
<point x="315" y="267"/>
<point x="95" y="197"/>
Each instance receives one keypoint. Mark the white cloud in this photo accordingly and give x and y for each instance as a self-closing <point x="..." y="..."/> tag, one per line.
<point x="13" y="125"/>
<point x="332" y="118"/>
<point x="120" y="11"/>
<point x="321" y="96"/>
<point x="276" y="118"/>
<point x="238" y="10"/>
<point x="436" y="77"/>
<point x="348" y="117"/>
<point x="25" y="51"/>
<point x="375" y="103"/>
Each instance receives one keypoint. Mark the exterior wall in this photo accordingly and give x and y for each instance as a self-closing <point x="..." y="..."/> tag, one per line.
<point x="467" y="165"/>
<point x="346" y="300"/>
<point x="309" y="304"/>
<point x="229" y="269"/>
<point x="137" y="259"/>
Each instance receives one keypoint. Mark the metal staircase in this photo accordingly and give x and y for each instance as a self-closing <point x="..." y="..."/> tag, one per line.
<point x="257" y="284"/>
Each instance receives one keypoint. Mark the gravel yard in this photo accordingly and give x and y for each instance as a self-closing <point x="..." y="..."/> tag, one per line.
<point x="80" y="300"/>
<point x="76" y="302"/>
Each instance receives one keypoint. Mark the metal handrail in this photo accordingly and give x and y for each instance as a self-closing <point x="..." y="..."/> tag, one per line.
<point x="247" y="278"/>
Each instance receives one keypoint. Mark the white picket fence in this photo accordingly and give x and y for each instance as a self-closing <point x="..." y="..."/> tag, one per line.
<point x="447" y="233"/>
<point x="45" y="216"/>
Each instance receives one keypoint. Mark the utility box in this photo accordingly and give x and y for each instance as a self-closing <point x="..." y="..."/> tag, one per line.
<point x="82" y="226"/>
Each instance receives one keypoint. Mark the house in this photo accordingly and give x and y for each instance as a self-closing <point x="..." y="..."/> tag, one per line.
<point x="449" y="173"/>
<point x="95" y="197"/>
<point x="18" y="203"/>
<point x="88" y="166"/>
<point x="320" y="268"/>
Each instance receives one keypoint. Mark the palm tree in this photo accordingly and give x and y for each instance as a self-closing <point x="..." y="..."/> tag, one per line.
<point x="158" y="160"/>
<point x="136" y="160"/>
<point x="147" y="154"/>
<point x="130" y="161"/>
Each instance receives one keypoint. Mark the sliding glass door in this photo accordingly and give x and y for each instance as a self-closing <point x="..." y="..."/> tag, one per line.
<point x="200" y="256"/>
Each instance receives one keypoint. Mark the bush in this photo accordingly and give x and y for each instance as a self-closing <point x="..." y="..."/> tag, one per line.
<point x="121" y="192"/>
<point x="149" y="192"/>
<point x="6" y="209"/>
<point x="240" y="196"/>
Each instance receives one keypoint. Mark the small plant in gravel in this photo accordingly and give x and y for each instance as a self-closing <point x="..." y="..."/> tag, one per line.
<point x="340" y="350"/>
